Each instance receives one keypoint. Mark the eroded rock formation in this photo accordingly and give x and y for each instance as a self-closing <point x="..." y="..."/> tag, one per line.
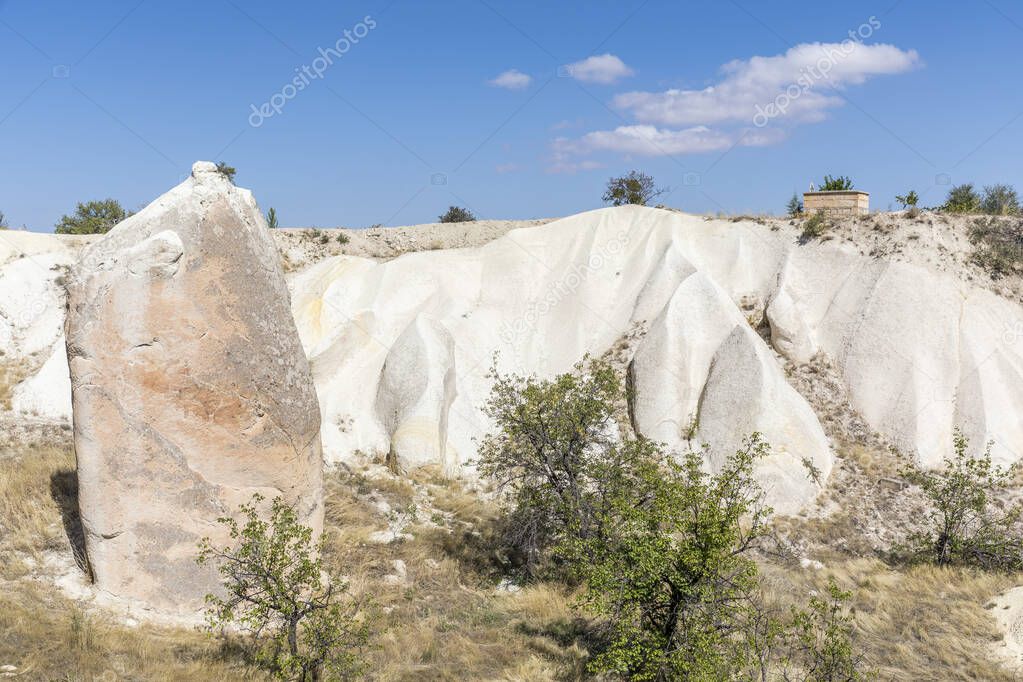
<point x="190" y="389"/>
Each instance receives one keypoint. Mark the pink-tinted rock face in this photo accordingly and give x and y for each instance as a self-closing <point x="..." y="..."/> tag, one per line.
<point x="190" y="389"/>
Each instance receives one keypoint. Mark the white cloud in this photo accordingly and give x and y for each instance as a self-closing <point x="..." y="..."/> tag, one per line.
<point x="512" y="79"/>
<point x="750" y="94"/>
<point x="603" y="69"/>
<point x="647" y="140"/>
<point x="790" y="81"/>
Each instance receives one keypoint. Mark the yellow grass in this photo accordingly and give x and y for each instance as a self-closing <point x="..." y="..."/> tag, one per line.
<point x="447" y="621"/>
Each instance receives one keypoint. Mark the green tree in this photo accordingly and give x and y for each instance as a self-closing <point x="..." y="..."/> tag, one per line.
<point x="962" y="199"/>
<point x="821" y="646"/>
<point x="271" y="218"/>
<point x="93" y="217"/>
<point x="1000" y="200"/>
<point x="227" y="171"/>
<point x="634" y="188"/>
<point x="967" y="523"/>
<point x="550" y="450"/>
<point x="909" y="199"/>
<point x="299" y="628"/>
<point x="840" y="183"/>
<point x="3" y="221"/>
<point x="672" y="571"/>
<point x="457" y="214"/>
<point x="795" y="206"/>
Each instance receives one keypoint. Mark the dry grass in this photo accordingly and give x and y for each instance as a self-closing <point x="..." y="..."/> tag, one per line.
<point x="924" y="623"/>
<point x="11" y="374"/>
<point x="446" y="620"/>
<point x="37" y="489"/>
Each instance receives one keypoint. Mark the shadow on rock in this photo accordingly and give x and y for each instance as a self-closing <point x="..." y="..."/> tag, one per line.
<point x="64" y="491"/>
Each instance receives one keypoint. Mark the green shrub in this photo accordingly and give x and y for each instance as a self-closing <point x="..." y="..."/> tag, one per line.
<point x="457" y="214"/>
<point x="93" y="217"/>
<point x="3" y="221"/>
<point x="998" y="246"/>
<point x="967" y="524"/>
<point x="298" y="627"/>
<point x="909" y="199"/>
<point x="672" y="572"/>
<point x="227" y="171"/>
<point x="271" y="218"/>
<point x="635" y="188"/>
<point x="815" y="226"/>
<point x="962" y="199"/>
<point x="663" y="549"/>
<point x="1000" y="200"/>
<point x="840" y="183"/>
<point x="795" y="206"/>
<point x="549" y="451"/>
<point x="821" y="645"/>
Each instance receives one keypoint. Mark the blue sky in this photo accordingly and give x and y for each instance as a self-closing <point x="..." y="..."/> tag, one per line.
<point x="516" y="109"/>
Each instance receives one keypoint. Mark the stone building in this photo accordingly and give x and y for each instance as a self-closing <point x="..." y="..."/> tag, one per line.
<point x="843" y="202"/>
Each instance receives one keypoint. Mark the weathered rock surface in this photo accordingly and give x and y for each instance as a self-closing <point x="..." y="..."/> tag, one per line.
<point x="919" y="351"/>
<point x="915" y="335"/>
<point x="190" y="389"/>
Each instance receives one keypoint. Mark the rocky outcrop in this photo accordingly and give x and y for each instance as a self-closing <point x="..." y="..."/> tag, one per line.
<point x="919" y="351"/>
<point x="190" y="389"/>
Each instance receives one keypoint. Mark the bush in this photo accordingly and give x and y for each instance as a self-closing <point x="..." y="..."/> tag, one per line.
<point x="998" y="246"/>
<point x="821" y="644"/>
<point x="271" y="218"/>
<point x="553" y="441"/>
<point x="457" y="214"/>
<point x="227" y="171"/>
<point x="815" y="226"/>
<point x="962" y="199"/>
<point x="3" y="221"/>
<point x="664" y="549"/>
<point x="1000" y="200"/>
<point x="967" y="526"/>
<point x="298" y="628"/>
<point x="909" y="199"/>
<point x="672" y="572"/>
<point x="93" y="217"/>
<point x="795" y="206"/>
<point x="840" y="183"/>
<point x="635" y="188"/>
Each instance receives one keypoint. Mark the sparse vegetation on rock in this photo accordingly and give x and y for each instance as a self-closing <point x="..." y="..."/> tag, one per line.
<point x="909" y="199"/>
<point x="998" y="246"/>
<point x="92" y="217"/>
<point x="1000" y="200"/>
<point x="226" y="170"/>
<point x="300" y="626"/>
<point x="968" y="525"/>
<point x="456" y="214"/>
<point x="635" y="188"/>
<point x="962" y="199"/>
<point x="815" y="226"/>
